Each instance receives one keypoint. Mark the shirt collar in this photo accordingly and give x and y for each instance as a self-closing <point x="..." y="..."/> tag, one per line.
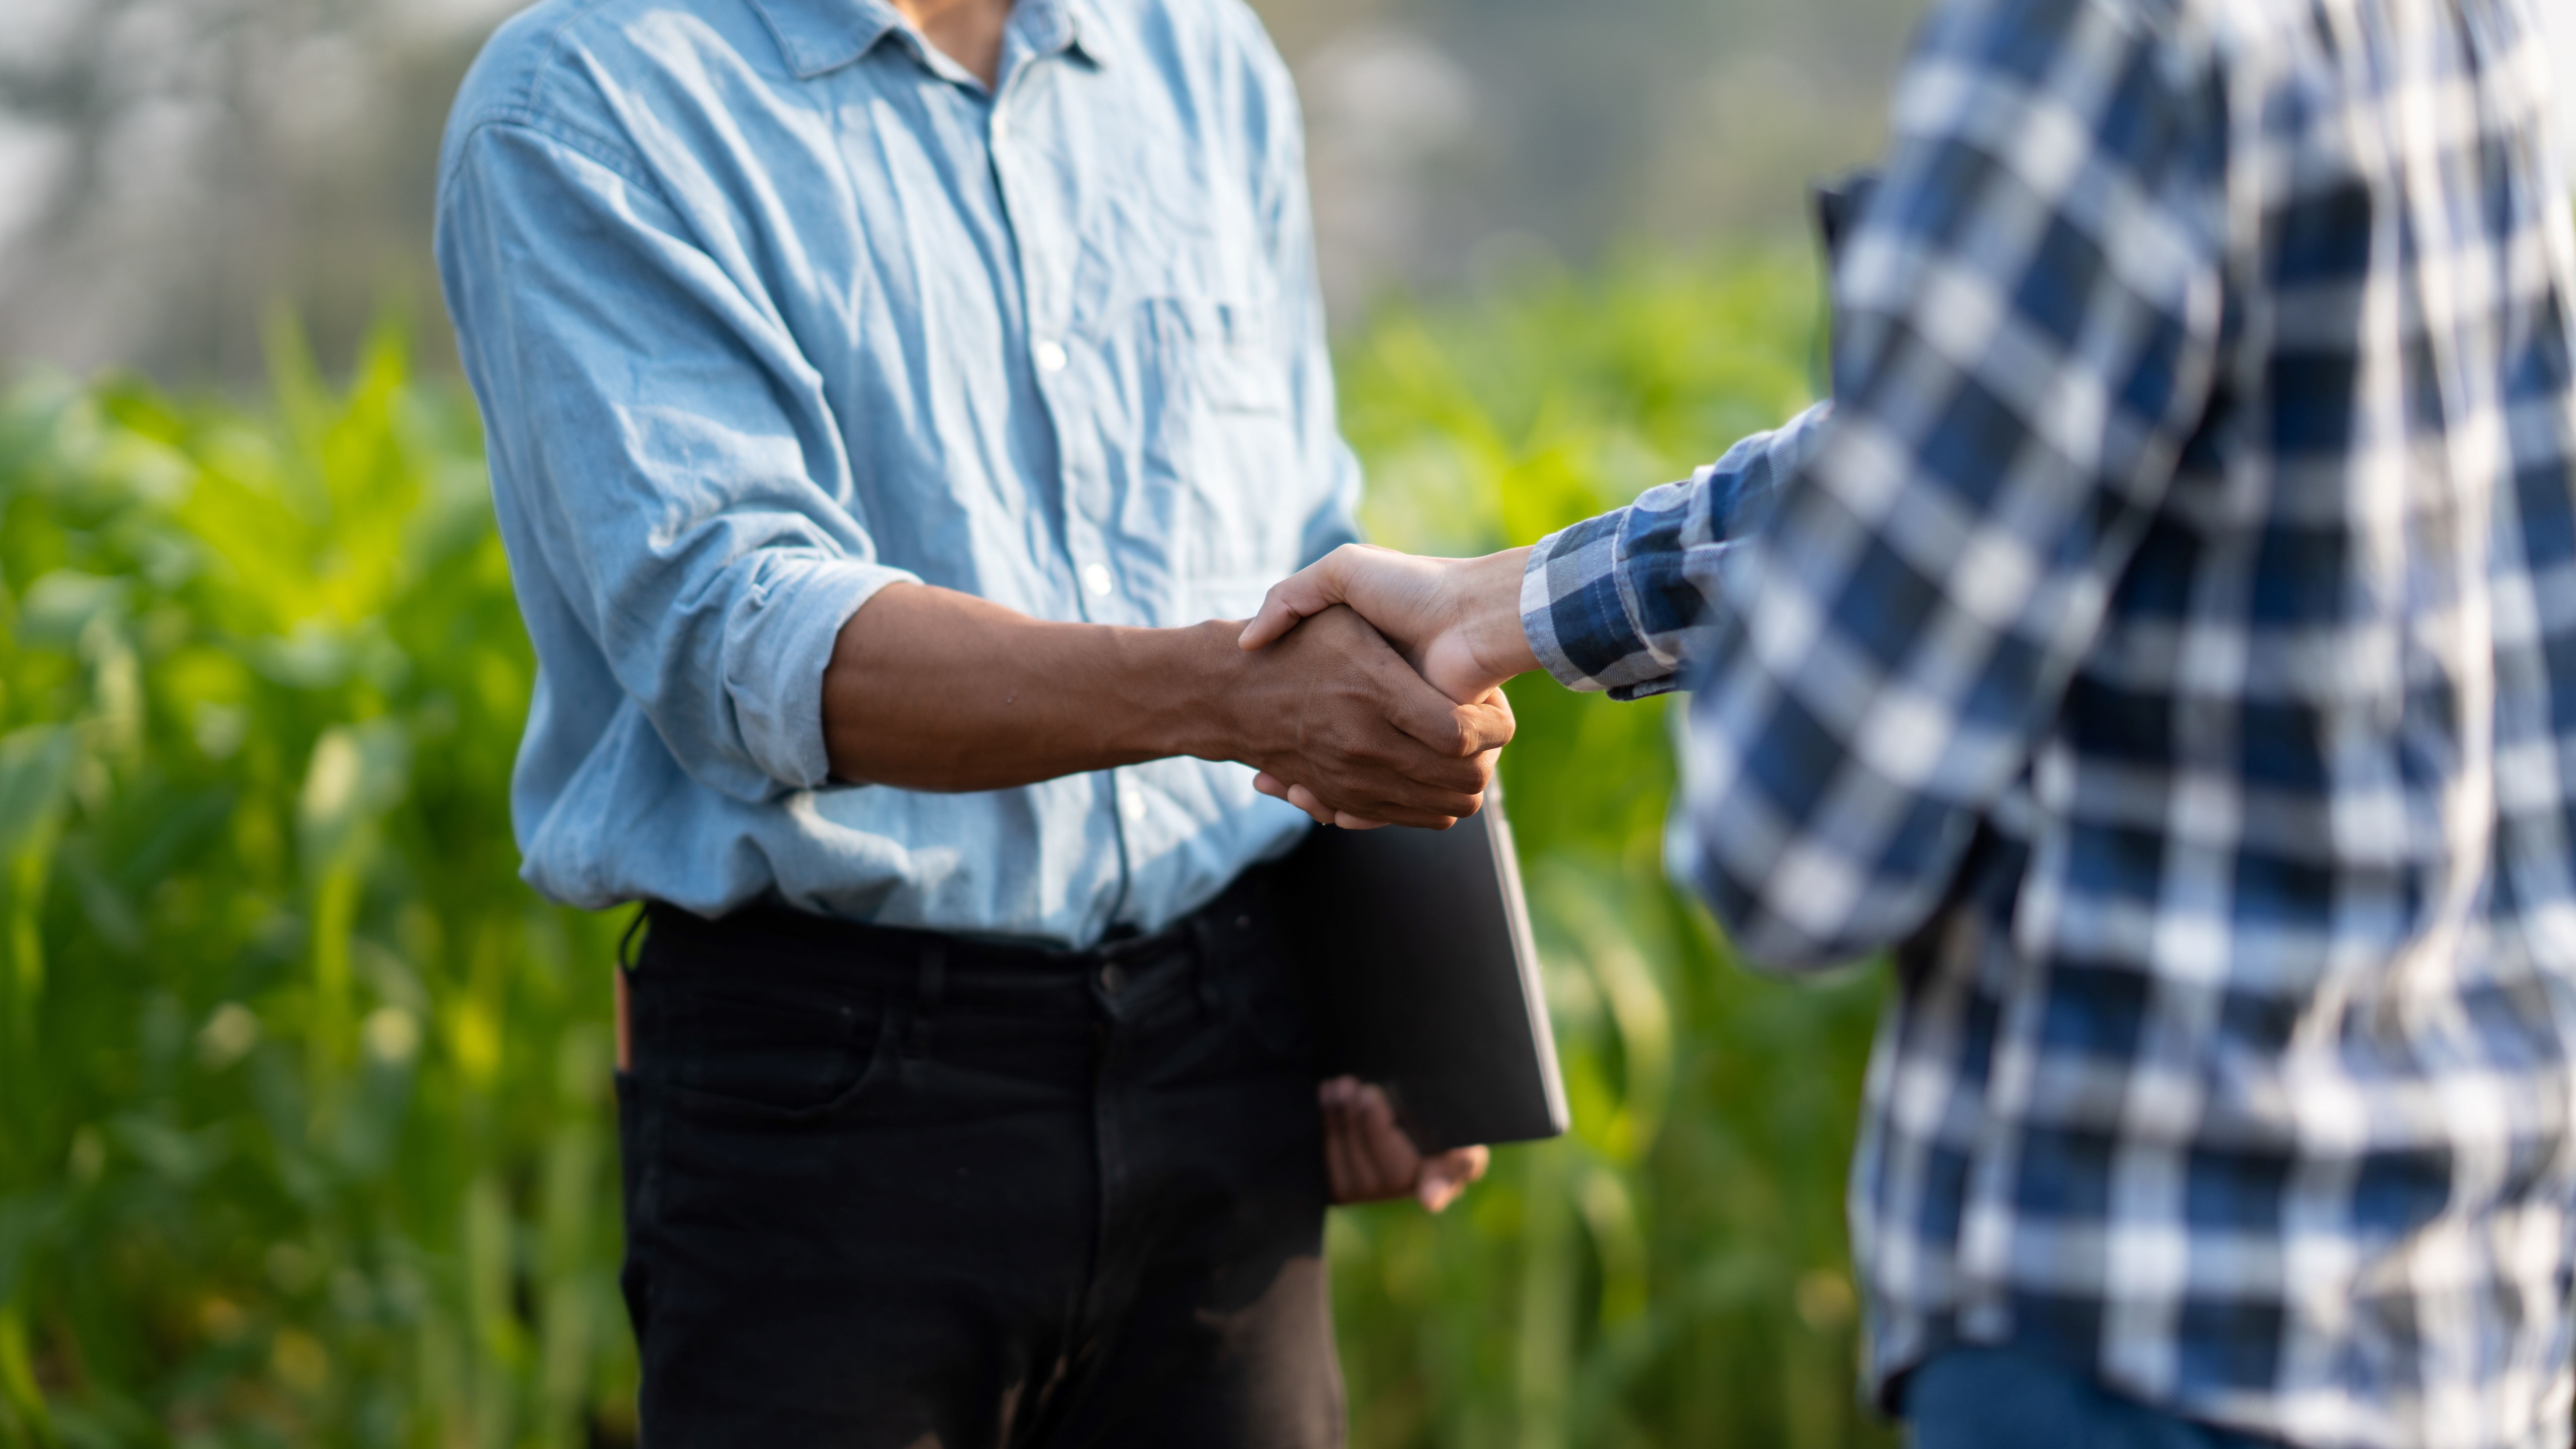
<point x="816" y="36"/>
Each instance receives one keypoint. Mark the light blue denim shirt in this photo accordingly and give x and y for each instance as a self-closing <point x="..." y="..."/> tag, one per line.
<point x="768" y="305"/>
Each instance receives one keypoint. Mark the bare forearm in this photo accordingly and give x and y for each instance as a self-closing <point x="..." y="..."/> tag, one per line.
<point x="933" y="690"/>
<point x="929" y="689"/>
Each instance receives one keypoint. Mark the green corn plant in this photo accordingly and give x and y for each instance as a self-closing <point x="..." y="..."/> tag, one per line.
<point x="304" y="1094"/>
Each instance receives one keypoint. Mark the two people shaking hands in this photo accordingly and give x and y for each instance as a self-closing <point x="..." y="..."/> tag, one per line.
<point x="2159" y="645"/>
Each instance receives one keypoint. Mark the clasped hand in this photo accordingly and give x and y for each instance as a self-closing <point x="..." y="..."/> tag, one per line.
<point x="1455" y="620"/>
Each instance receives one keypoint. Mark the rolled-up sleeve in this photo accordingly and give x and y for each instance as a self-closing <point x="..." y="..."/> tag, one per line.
<point x="661" y="454"/>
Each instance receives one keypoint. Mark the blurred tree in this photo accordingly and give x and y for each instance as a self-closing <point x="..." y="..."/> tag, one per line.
<point x="178" y="167"/>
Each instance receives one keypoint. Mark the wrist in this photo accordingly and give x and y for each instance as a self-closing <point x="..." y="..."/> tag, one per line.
<point x="1490" y="601"/>
<point x="1193" y="677"/>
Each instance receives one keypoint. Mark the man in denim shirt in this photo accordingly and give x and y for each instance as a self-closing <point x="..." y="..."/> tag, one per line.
<point x="881" y="399"/>
<point x="2164" y="643"/>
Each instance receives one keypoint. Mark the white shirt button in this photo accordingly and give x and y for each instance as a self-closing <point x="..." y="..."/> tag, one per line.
<point x="1095" y="577"/>
<point x="1134" y="805"/>
<point x="1050" y="356"/>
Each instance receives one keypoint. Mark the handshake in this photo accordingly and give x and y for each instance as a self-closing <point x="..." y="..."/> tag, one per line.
<point x="1456" y="624"/>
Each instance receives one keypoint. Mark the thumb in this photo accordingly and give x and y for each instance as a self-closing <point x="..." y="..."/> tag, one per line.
<point x="1307" y="592"/>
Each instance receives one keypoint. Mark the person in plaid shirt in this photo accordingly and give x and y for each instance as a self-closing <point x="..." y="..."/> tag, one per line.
<point x="2164" y="643"/>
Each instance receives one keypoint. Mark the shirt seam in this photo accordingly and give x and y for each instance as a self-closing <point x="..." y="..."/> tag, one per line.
<point x="579" y="140"/>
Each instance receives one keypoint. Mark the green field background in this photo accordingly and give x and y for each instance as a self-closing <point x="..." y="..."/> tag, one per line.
<point x="305" y="1122"/>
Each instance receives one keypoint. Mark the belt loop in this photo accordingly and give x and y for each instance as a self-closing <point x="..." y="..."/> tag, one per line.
<point x="626" y="942"/>
<point x="925" y="1002"/>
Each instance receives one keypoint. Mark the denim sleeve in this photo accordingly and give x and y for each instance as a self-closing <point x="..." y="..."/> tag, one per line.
<point x="1616" y="602"/>
<point x="663" y="459"/>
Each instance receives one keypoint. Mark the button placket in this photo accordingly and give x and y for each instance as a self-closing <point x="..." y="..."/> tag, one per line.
<point x="1048" y="316"/>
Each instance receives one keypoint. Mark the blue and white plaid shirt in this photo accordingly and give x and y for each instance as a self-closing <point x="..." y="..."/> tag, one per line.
<point x="2167" y="643"/>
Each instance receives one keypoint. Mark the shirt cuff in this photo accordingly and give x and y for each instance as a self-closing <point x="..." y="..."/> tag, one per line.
<point x="776" y="649"/>
<point x="1578" y="618"/>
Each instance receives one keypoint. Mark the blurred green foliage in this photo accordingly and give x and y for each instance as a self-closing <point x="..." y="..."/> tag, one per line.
<point x="306" y="1098"/>
<point x="305" y="1133"/>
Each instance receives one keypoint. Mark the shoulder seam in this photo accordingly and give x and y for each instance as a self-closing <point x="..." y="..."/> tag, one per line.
<point x="579" y="140"/>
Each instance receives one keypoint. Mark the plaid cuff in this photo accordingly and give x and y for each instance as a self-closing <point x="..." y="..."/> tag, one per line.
<point x="1580" y="621"/>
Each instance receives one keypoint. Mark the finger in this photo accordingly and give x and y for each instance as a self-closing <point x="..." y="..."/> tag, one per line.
<point x="1316" y="810"/>
<point x="1339" y="1169"/>
<point x="1437" y="1190"/>
<point x="1445" y="1177"/>
<point x="1366" y="814"/>
<point x="1402" y="803"/>
<point x="1391" y="1153"/>
<point x="1480" y="729"/>
<point x="1303" y="594"/>
<point x="1446" y="728"/>
<point x="1489" y="721"/>
<point x="1406" y="774"/>
<point x="1297" y="795"/>
<point x="1392" y="801"/>
<point x="1304" y="799"/>
<point x="1395" y="771"/>
<point x="1354" y="1170"/>
<point x="1360" y="1178"/>
<point x="1468" y="734"/>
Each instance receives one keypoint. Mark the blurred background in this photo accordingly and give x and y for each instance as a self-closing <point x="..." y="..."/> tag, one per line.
<point x="171" y="168"/>
<point x="306" y="1128"/>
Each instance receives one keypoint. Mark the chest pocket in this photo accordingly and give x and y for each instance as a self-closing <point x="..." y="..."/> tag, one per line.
<point x="1221" y="458"/>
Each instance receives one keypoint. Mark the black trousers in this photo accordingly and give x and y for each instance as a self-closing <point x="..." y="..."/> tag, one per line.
<point x="888" y="1188"/>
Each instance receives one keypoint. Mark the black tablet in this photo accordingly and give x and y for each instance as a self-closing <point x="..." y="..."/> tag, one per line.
<point x="1416" y="949"/>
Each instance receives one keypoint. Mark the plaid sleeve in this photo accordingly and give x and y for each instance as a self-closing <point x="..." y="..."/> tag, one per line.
<point x="1614" y="603"/>
<point x="2026" y="325"/>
